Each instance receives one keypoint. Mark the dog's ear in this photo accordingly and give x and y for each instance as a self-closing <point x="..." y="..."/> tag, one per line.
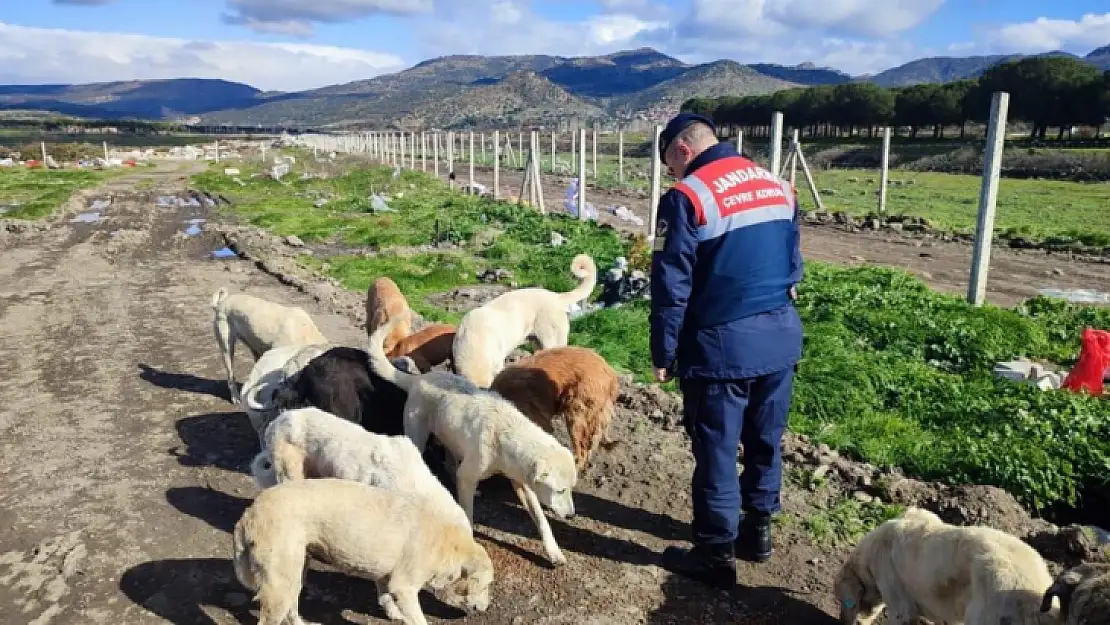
<point x="540" y="472"/>
<point x="1063" y="587"/>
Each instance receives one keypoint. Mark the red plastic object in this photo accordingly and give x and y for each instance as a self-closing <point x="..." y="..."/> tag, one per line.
<point x="1094" y="355"/>
<point x="32" y="164"/>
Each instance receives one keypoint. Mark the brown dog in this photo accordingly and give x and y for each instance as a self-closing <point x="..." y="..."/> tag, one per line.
<point x="384" y="301"/>
<point x="428" y="348"/>
<point x="574" y="382"/>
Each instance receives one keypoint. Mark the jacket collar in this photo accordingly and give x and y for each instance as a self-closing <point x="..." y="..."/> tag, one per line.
<point x="721" y="150"/>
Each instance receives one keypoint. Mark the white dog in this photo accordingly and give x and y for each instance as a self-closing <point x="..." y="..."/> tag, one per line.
<point x="308" y="442"/>
<point x="401" y="541"/>
<point x="920" y="566"/>
<point x="489" y="333"/>
<point x="488" y="435"/>
<point x="261" y="324"/>
<point x="267" y="375"/>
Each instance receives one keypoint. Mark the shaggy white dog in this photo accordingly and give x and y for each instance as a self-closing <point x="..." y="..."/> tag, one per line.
<point x="919" y="566"/>
<point x="308" y="442"/>
<point x="267" y="375"/>
<point x="488" y="435"/>
<point x="261" y="324"/>
<point x="489" y="333"/>
<point x="401" y="541"/>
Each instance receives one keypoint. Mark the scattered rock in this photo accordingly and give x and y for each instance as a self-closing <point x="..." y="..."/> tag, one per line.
<point x="294" y="241"/>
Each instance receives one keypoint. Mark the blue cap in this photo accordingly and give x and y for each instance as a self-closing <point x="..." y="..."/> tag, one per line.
<point x="677" y="124"/>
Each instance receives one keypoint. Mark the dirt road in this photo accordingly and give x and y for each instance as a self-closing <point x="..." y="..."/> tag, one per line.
<point x="1015" y="275"/>
<point x="122" y="463"/>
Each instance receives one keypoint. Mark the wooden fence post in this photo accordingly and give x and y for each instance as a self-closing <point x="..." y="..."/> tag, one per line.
<point x="582" y="175"/>
<point x="496" y="164"/>
<point x="776" y="141"/>
<point x="656" y="175"/>
<point x="884" y="173"/>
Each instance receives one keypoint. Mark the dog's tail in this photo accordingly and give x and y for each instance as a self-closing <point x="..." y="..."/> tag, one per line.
<point x="247" y="570"/>
<point x="218" y="298"/>
<point x="583" y="268"/>
<point x="262" y="470"/>
<point x="380" y="363"/>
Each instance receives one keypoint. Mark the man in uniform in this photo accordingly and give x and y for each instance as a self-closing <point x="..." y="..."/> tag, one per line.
<point x="724" y="264"/>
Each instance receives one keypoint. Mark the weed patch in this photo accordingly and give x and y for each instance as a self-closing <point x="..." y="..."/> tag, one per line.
<point x="35" y="193"/>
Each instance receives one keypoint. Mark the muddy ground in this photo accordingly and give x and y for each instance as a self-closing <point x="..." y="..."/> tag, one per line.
<point x="122" y="462"/>
<point x="1015" y="274"/>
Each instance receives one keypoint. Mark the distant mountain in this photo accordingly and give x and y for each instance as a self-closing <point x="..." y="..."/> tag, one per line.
<point x="615" y="74"/>
<point x="711" y="80"/>
<point x="1100" y="58"/>
<point x="460" y="90"/>
<point x="145" y="99"/>
<point x="946" y="69"/>
<point x="521" y="98"/>
<point x="804" y="74"/>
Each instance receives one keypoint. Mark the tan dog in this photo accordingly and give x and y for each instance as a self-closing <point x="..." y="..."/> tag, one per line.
<point x="401" y="541"/>
<point x="1084" y="593"/>
<point x="918" y="566"/>
<point x="430" y="347"/>
<point x="261" y="324"/>
<point x="384" y="301"/>
<point x="572" y="382"/>
<point x="489" y="333"/>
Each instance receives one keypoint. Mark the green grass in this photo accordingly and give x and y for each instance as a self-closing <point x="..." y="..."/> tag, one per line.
<point x="35" y="193"/>
<point x="893" y="373"/>
<point x="846" y="522"/>
<point x="1038" y="210"/>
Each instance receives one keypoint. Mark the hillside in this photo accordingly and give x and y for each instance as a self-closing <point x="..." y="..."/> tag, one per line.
<point x="615" y="74"/>
<point x="147" y="99"/>
<point x="721" y="78"/>
<point x="521" y="98"/>
<point x="1100" y="58"/>
<point x="947" y="68"/>
<point x="804" y="74"/>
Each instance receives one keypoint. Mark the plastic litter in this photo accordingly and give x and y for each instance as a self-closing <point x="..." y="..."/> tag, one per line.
<point x="379" y="205"/>
<point x="86" y="218"/>
<point x="1079" y="296"/>
<point x="570" y="201"/>
<point x="1089" y="369"/>
<point x="224" y="252"/>
<point x="99" y="205"/>
<point x="277" y="172"/>
<point x="624" y="214"/>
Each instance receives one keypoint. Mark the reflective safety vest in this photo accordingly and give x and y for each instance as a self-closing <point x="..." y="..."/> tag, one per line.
<point x="733" y="193"/>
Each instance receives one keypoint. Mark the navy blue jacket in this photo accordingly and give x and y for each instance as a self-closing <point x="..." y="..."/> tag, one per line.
<point x="720" y="304"/>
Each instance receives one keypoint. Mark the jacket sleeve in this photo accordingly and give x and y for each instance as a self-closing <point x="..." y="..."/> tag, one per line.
<point x="796" y="264"/>
<point x="672" y="275"/>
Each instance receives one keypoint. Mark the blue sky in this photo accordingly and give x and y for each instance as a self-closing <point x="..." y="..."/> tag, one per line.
<point x="300" y="44"/>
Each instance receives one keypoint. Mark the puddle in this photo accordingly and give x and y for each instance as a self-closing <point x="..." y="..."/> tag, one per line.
<point x="100" y="205"/>
<point x="1078" y="296"/>
<point x="87" y="218"/>
<point x="224" y="252"/>
<point x="194" y="228"/>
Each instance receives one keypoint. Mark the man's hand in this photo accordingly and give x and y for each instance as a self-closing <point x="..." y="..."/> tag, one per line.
<point x="662" y="375"/>
<point x="793" y="294"/>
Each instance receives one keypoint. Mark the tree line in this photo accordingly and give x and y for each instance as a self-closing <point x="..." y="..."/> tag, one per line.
<point x="1046" y="92"/>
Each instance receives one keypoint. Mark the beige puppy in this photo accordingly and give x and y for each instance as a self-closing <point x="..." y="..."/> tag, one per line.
<point x="261" y="324"/>
<point x="267" y="375"/>
<point x="384" y="301"/>
<point x="1084" y="593"/>
<point x="489" y="333"/>
<point x="402" y="541"/>
<point x="488" y="436"/>
<point x="921" y="567"/>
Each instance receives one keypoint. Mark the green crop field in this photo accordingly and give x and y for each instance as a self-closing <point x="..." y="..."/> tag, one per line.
<point x="893" y="372"/>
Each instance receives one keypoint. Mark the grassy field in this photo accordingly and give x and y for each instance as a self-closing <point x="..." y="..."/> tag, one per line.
<point x="893" y="373"/>
<point x="34" y="193"/>
<point x="1039" y="210"/>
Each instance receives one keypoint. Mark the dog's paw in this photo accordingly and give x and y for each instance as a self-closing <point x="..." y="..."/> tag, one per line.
<point x="557" y="558"/>
<point x="392" y="612"/>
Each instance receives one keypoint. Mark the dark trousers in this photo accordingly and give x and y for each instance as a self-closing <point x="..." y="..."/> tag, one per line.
<point x="719" y="415"/>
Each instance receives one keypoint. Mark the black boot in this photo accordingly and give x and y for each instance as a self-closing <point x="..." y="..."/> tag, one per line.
<point x="710" y="564"/>
<point x="754" y="541"/>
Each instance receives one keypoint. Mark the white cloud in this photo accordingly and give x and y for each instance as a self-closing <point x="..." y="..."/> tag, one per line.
<point x="517" y="30"/>
<point x="298" y="16"/>
<point x="39" y="55"/>
<point x="802" y="19"/>
<point x="1044" y="34"/>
